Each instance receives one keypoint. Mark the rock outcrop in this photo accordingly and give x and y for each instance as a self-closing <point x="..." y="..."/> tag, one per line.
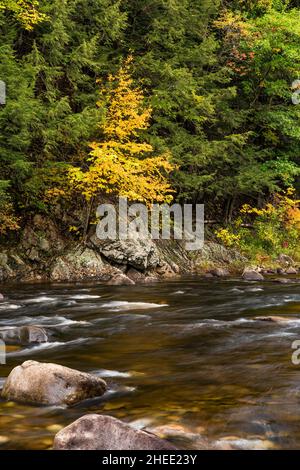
<point x="141" y="254"/>
<point x="77" y="264"/>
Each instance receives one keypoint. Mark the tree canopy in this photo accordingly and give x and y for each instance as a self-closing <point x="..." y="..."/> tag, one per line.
<point x="214" y="81"/>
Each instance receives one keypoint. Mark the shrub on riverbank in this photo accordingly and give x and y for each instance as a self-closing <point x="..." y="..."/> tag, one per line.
<point x="262" y="234"/>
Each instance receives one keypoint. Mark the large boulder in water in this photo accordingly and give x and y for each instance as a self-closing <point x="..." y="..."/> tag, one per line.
<point x="97" y="432"/>
<point x="120" y="280"/>
<point x="24" y="335"/>
<point x="220" y="272"/>
<point x="252" y="275"/>
<point x="50" y="384"/>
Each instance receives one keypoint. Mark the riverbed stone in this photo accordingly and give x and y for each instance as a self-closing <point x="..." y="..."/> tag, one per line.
<point x="98" y="432"/>
<point x="50" y="384"/>
<point x="291" y="270"/>
<point x="24" y="335"/>
<point x="276" y="319"/>
<point x="120" y="280"/>
<point x="282" y="280"/>
<point x="252" y="275"/>
<point x="220" y="272"/>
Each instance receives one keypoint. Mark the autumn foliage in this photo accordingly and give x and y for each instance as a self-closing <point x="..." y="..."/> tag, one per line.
<point x="121" y="163"/>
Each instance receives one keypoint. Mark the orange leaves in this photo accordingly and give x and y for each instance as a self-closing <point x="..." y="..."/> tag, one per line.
<point x="121" y="164"/>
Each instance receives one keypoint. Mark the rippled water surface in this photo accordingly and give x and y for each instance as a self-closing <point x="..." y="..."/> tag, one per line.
<point x="188" y="355"/>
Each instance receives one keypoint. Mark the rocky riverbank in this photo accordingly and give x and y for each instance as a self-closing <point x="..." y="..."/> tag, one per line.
<point x="44" y="253"/>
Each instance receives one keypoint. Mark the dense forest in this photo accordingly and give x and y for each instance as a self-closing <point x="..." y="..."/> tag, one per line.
<point x="154" y="99"/>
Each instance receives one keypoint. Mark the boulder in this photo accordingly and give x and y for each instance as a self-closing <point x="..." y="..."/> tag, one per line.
<point x="24" y="335"/>
<point x="252" y="275"/>
<point x="120" y="280"/>
<point x="97" y="432"/>
<point x="138" y="253"/>
<point x="291" y="270"/>
<point x="50" y="384"/>
<point x="220" y="272"/>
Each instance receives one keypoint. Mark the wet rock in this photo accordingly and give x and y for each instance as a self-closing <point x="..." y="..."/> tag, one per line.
<point x="182" y="435"/>
<point x="165" y="270"/>
<point x="271" y="271"/>
<point x="291" y="270"/>
<point x="140" y="278"/>
<point x="220" y="272"/>
<point x="24" y="335"/>
<point x="281" y="280"/>
<point x="276" y="319"/>
<point x="252" y="275"/>
<point x="97" y="432"/>
<point x="236" y="443"/>
<point x="50" y="384"/>
<point x="120" y="280"/>
<point x="1" y="297"/>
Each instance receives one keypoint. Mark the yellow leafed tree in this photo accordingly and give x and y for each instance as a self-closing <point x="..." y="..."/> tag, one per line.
<point x="26" y="11"/>
<point x="121" y="164"/>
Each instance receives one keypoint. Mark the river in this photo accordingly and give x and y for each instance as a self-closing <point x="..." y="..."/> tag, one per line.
<point x="187" y="354"/>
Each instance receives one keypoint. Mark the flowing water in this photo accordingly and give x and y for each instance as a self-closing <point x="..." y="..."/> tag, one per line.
<point x="187" y="355"/>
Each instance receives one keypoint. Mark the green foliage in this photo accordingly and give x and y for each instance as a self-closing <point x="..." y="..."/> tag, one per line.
<point x="262" y="234"/>
<point x="217" y="76"/>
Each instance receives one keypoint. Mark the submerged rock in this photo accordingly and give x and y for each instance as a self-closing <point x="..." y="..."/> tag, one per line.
<point x="24" y="335"/>
<point x="120" y="280"/>
<point x="276" y="319"/>
<point x="97" y="432"/>
<point x="252" y="275"/>
<point x="50" y="384"/>
<point x="220" y="272"/>
<point x="282" y="280"/>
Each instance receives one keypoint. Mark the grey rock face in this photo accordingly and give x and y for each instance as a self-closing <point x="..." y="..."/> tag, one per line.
<point x="77" y="264"/>
<point x="140" y="254"/>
